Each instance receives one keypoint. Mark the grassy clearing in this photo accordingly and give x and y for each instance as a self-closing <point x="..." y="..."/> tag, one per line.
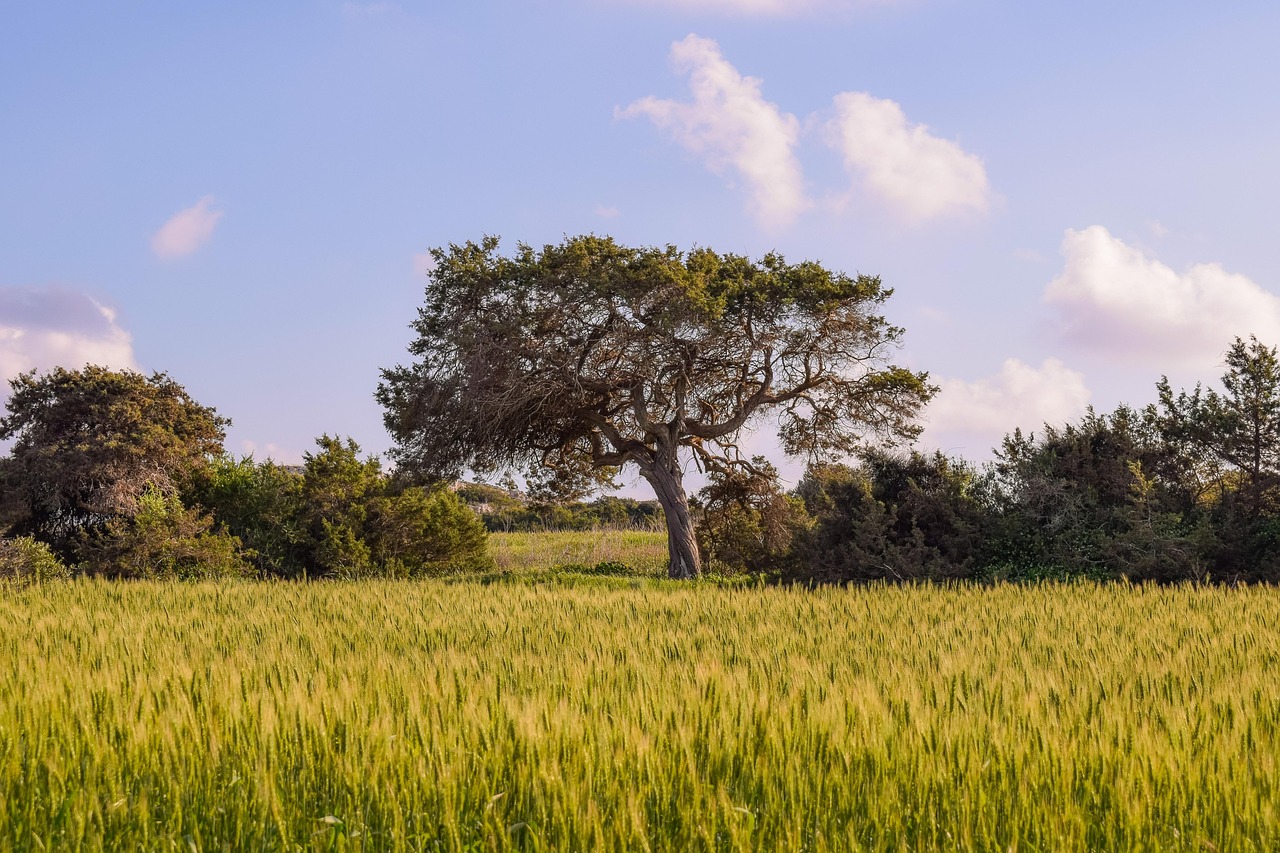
<point x="642" y="551"/>
<point x="434" y="715"/>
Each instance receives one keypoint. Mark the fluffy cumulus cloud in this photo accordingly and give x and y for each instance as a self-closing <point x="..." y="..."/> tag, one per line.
<point x="732" y="126"/>
<point x="737" y="132"/>
<point x="44" y="327"/>
<point x="971" y="418"/>
<point x="918" y="174"/>
<point x="1115" y="301"/>
<point x="186" y="231"/>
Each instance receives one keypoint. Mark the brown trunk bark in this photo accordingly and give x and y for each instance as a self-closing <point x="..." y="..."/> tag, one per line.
<point x="682" y="546"/>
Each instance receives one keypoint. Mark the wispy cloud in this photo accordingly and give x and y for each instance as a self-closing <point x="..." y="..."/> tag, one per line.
<point x="186" y="231"/>
<point x="1112" y="299"/>
<point x="918" y="174"/>
<point x="606" y="212"/>
<point x="44" y="327"/>
<point x="732" y="126"/>
<point x="973" y="416"/>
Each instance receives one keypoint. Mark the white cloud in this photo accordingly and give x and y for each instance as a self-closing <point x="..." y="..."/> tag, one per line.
<point x="187" y="230"/>
<point x="732" y="126"/>
<point x="605" y="212"/>
<point x="44" y="327"/>
<point x="972" y="417"/>
<point x="1114" y="300"/>
<point x="920" y="175"/>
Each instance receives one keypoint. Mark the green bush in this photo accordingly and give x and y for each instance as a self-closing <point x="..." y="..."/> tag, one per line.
<point x="419" y="532"/>
<point x="745" y="523"/>
<point x="910" y="517"/>
<point x="260" y="503"/>
<point x="26" y="560"/>
<point x="164" y="539"/>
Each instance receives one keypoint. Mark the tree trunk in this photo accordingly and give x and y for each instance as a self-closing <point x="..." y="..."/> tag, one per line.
<point x="682" y="547"/>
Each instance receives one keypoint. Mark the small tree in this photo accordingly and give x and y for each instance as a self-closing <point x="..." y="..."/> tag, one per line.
<point x="1228" y="446"/>
<point x="87" y="444"/>
<point x="585" y="357"/>
<point x="337" y="486"/>
<point x="1237" y="430"/>
<point x="359" y="523"/>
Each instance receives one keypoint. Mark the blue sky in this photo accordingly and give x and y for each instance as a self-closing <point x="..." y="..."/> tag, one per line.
<point x="1070" y="199"/>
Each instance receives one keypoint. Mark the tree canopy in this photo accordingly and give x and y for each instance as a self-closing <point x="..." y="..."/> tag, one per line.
<point x="575" y="360"/>
<point x="87" y="444"/>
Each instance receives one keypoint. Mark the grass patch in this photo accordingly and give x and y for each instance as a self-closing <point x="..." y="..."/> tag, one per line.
<point x="641" y="552"/>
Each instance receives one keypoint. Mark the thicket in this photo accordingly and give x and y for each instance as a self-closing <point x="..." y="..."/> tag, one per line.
<point x="340" y="516"/>
<point x="116" y="474"/>
<point x="1186" y="488"/>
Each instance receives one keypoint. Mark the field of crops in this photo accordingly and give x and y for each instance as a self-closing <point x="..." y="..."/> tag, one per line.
<point x="637" y="714"/>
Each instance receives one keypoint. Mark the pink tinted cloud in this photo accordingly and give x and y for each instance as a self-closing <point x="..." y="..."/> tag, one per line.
<point x="186" y="231"/>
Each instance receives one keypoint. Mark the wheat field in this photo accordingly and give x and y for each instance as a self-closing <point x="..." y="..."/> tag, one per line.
<point x="657" y="716"/>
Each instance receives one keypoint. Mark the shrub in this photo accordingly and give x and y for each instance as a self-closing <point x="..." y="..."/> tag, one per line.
<point x="420" y="532"/>
<point x="745" y="521"/>
<point x="260" y="503"/>
<point x="163" y="539"/>
<point x="895" y="517"/>
<point x="24" y="559"/>
<point x="1096" y="499"/>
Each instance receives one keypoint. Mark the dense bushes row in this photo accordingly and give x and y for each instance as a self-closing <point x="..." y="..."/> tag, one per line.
<point x="121" y="475"/>
<point x="339" y="516"/>
<point x="1186" y="488"/>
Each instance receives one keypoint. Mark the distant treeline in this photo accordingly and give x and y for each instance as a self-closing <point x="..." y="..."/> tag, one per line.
<point x="504" y="509"/>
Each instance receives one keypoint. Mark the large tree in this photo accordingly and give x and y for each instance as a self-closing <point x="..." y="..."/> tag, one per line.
<point x="581" y="358"/>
